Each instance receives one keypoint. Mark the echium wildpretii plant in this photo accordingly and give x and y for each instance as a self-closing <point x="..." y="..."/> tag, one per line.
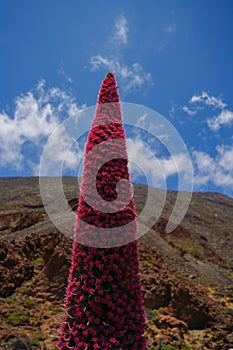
<point x="103" y="300"/>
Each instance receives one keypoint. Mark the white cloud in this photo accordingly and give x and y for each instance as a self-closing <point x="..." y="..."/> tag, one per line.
<point x="205" y="167"/>
<point x="62" y="73"/>
<point x="62" y="151"/>
<point x="133" y="77"/>
<point x="171" y="28"/>
<point x="224" y="118"/>
<point x="216" y="170"/>
<point x="208" y="100"/>
<point x="35" y="117"/>
<point x="120" y="31"/>
<point x="226" y="157"/>
<point x="156" y="169"/>
<point x="168" y="33"/>
<point x="190" y="111"/>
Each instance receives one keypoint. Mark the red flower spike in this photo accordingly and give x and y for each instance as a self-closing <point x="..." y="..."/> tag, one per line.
<point x="103" y="300"/>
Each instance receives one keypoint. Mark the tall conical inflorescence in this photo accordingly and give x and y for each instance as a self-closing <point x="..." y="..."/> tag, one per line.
<point x="103" y="300"/>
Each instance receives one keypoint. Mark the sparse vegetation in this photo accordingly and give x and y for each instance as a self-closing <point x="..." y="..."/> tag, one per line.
<point x="35" y="342"/>
<point x="37" y="320"/>
<point x="11" y="302"/>
<point x="170" y="347"/>
<point x="165" y="347"/>
<point x="219" y="293"/>
<point x="39" y="261"/>
<point x="25" y="291"/>
<point x="155" y="319"/>
<point x="26" y="302"/>
<point x="148" y="257"/>
<point x="37" y="337"/>
<point x="56" y="311"/>
<point x="16" y="318"/>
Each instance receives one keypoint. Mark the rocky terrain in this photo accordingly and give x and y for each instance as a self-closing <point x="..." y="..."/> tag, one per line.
<point x="187" y="275"/>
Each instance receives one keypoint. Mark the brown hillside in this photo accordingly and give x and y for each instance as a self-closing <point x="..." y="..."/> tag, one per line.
<point x="187" y="275"/>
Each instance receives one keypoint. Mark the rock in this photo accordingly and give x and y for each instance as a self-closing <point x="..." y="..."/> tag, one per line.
<point x="73" y="203"/>
<point x="56" y="261"/>
<point x="156" y="294"/>
<point x="9" y="261"/>
<point x="3" y="253"/>
<point x="25" y="219"/>
<point x="192" y="309"/>
<point x="13" y="272"/>
<point x="16" y="221"/>
<point x="179" y="251"/>
<point x="167" y="321"/>
<point x="22" y="343"/>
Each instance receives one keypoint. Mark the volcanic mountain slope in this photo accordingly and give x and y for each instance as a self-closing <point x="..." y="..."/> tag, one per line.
<point x="187" y="275"/>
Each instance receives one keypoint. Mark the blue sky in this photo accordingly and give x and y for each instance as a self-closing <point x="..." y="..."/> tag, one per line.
<point x="174" y="57"/>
